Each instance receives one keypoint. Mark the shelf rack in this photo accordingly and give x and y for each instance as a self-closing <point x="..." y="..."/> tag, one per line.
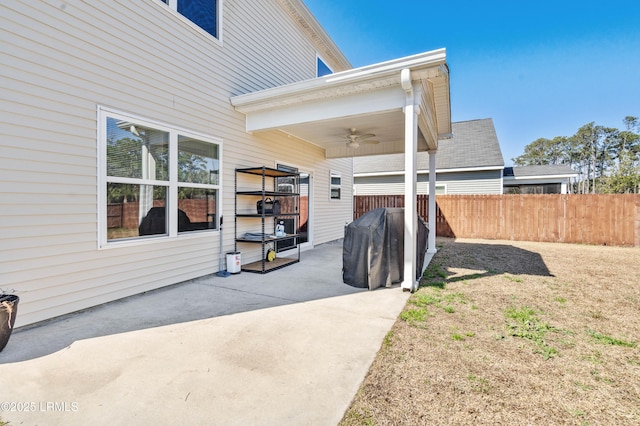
<point x="267" y="190"/>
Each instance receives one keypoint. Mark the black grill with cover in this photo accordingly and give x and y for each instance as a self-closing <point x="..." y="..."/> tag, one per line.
<point x="373" y="249"/>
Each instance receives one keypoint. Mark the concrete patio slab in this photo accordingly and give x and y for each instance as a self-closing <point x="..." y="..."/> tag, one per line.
<point x="289" y="347"/>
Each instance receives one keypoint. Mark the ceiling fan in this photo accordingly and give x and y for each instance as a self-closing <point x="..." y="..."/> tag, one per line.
<point x="354" y="140"/>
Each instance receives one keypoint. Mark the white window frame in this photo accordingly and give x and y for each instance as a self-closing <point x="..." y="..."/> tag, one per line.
<point x="172" y="194"/>
<point x="173" y="5"/>
<point x="332" y="186"/>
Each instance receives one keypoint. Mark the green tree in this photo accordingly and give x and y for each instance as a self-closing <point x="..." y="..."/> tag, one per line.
<point x="125" y="159"/>
<point x="543" y="151"/>
<point x="625" y="177"/>
<point x="191" y="168"/>
<point x="608" y="159"/>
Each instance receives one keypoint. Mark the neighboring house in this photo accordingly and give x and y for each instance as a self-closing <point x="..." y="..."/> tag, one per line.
<point x="469" y="163"/>
<point x="116" y="112"/>
<point x="546" y="179"/>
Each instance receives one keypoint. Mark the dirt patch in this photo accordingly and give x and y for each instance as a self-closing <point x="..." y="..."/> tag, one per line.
<point x="504" y="332"/>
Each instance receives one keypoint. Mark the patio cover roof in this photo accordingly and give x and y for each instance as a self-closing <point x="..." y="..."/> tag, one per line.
<point x="370" y="99"/>
<point x="405" y="103"/>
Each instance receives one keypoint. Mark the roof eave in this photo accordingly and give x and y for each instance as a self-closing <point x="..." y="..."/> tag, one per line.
<point x="310" y="25"/>
<point x="424" y="171"/>
<point x="561" y="176"/>
<point x="425" y="65"/>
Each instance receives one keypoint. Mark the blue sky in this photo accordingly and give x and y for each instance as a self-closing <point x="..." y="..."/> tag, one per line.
<point x="538" y="69"/>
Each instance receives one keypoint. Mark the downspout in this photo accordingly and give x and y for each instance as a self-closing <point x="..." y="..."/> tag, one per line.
<point x="411" y="111"/>
<point x="431" y="239"/>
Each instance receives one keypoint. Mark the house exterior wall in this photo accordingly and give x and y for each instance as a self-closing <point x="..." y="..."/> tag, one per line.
<point x="538" y="185"/>
<point x="465" y="182"/>
<point x="63" y="60"/>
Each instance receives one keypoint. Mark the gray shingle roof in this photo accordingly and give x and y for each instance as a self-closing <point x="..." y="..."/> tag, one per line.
<point x="545" y="170"/>
<point x="474" y="144"/>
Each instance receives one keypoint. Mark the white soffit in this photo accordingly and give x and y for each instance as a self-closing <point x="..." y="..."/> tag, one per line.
<point x="369" y="99"/>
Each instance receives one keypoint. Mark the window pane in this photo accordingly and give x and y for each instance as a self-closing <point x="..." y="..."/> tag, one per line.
<point x="135" y="151"/>
<point x="197" y="161"/>
<point x="323" y="69"/>
<point x="196" y="209"/>
<point x="134" y="210"/>
<point x="200" y="12"/>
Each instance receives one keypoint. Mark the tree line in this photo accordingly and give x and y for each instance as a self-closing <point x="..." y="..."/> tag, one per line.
<point x="607" y="159"/>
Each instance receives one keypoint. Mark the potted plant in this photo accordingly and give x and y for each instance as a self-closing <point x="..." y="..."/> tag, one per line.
<point x="8" y="312"/>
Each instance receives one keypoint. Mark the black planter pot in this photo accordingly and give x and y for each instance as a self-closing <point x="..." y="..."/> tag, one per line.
<point x="8" y="312"/>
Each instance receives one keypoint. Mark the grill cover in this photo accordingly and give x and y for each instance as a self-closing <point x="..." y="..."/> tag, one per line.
<point x="373" y="249"/>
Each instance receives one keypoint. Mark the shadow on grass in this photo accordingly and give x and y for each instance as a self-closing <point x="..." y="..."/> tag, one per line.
<point x="483" y="259"/>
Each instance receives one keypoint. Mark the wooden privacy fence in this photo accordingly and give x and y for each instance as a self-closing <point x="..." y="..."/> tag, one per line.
<point x="588" y="219"/>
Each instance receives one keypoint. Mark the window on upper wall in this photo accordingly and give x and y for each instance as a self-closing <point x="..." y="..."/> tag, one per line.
<point x="322" y="68"/>
<point x="203" y="13"/>
<point x="335" y="186"/>
<point x="156" y="180"/>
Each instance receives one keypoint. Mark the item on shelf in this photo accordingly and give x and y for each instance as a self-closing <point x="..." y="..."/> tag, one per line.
<point x="269" y="206"/>
<point x="256" y="236"/>
<point x="271" y="255"/>
<point x="280" y="229"/>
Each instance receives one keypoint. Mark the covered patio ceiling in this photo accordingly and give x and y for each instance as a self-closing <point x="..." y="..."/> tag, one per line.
<point x="403" y="104"/>
<point x="371" y="100"/>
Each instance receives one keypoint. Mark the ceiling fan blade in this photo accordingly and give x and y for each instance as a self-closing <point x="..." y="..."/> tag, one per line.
<point x="356" y="143"/>
<point x="367" y="136"/>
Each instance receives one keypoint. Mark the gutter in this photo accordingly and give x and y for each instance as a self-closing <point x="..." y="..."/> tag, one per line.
<point x="423" y="65"/>
<point x="438" y="171"/>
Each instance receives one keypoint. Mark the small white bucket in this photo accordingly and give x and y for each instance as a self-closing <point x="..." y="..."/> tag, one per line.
<point x="234" y="262"/>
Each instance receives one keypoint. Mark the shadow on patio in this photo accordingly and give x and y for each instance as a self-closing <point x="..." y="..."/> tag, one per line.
<point x="317" y="276"/>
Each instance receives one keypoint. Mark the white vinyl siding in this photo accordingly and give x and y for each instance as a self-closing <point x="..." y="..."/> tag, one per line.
<point x="470" y="182"/>
<point x="331" y="215"/>
<point x="62" y="60"/>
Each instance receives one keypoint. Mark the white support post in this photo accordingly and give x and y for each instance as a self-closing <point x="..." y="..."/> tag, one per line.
<point x="431" y="240"/>
<point x="411" y="111"/>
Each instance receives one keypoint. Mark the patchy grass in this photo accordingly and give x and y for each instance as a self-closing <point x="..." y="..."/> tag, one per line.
<point x="433" y="276"/>
<point x="504" y="332"/>
<point x="608" y="340"/>
<point x="525" y="323"/>
<point x="388" y="339"/>
<point x="415" y="317"/>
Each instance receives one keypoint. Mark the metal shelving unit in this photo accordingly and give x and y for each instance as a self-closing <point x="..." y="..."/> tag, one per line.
<point x="271" y="186"/>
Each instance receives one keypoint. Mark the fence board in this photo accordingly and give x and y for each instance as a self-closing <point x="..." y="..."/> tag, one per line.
<point x="602" y="219"/>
